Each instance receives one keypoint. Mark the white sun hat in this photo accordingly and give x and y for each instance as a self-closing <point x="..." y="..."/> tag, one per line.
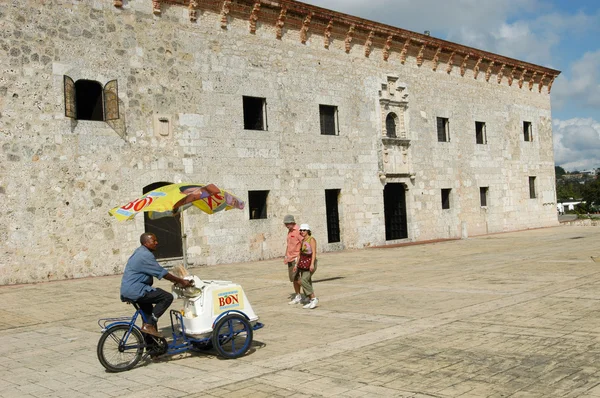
<point x="304" y="226"/>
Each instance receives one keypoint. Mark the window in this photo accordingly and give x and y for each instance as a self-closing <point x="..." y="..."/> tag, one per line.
<point x="480" y="137"/>
<point x="332" y="214"/>
<point x="328" y="117"/>
<point x="446" y="198"/>
<point x="390" y="125"/>
<point x="257" y="203"/>
<point x="88" y="100"/>
<point x="443" y="129"/>
<point x="483" y="194"/>
<point x="255" y="113"/>
<point x="527" y="134"/>
<point x="532" y="194"/>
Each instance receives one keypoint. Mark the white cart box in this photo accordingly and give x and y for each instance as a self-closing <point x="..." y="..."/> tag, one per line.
<point x="204" y="303"/>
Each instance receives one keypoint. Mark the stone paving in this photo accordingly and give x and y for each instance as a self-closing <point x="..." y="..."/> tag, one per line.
<point x="505" y="315"/>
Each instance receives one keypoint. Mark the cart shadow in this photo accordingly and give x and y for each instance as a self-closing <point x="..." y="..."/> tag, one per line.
<point x="255" y="346"/>
<point x="212" y="354"/>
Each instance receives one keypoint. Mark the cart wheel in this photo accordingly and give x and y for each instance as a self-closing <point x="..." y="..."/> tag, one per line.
<point x="118" y="350"/>
<point x="232" y="336"/>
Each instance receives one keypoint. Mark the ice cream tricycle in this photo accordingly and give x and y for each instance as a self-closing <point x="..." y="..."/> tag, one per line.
<point x="215" y="314"/>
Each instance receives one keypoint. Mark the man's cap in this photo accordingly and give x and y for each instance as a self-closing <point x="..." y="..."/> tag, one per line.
<point x="289" y="219"/>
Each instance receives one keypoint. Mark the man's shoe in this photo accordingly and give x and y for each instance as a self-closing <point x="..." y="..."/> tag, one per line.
<point x="312" y="304"/>
<point x="296" y="299"/>
<point x="150" y="329"/>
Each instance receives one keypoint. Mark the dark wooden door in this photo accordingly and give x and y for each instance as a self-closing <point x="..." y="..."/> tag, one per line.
<point x="333" y="215"/>
<point x="394" y="203"/>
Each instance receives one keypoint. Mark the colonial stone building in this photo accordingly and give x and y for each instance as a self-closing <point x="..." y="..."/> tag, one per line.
<point x="370" y="133"/>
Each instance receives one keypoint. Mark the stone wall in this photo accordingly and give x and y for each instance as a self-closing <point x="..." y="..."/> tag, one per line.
<point x="59" y="176"/>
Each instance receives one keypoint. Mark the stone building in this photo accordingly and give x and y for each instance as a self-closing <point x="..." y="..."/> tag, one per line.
<point x="370" y="133"/>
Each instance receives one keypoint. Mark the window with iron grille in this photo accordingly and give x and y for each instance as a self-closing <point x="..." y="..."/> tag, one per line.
<point x="257" y="204"/>
<point x="527" y="133"/>
<point x="480" y="136"/>
<point x="390" y="125"/>
<point x="483" y="196"/>
<point x="255" y="113"/>
<point x="443" y="129"/>
<point x="446" y="198"/>
<point x="332" y="214"/>
<point x="328" y="119"/>
<point x="88" y="100"/>
<point x="532" y="193"/>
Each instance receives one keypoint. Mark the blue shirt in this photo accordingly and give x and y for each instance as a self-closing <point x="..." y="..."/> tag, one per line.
<point x="137" y="277"/>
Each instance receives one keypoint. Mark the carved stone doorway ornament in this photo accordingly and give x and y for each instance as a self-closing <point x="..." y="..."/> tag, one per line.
<point x="395" y="142"/>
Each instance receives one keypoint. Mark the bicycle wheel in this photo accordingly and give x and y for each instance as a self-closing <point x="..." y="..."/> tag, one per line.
<point x="118" y="350"/>
<point x="232" y="336"/>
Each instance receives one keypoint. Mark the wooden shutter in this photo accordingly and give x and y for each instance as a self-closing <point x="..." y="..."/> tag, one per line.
<point x="70" y="100"/>
<point x="111" y="100"/>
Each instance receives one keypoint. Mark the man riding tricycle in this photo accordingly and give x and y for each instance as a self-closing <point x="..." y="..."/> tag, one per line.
<point x="215" y="314"/>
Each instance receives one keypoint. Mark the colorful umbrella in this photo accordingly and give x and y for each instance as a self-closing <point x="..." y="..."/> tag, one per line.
<point x="170" y="200"/>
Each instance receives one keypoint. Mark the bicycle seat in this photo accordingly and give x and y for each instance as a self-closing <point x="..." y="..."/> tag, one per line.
<point x="129" y="301"/>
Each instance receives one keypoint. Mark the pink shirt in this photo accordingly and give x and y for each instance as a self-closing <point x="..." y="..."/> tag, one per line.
<point x="294" y="241"/>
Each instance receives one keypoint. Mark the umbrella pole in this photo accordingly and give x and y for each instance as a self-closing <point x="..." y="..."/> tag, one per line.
<point x="184" y="242"/>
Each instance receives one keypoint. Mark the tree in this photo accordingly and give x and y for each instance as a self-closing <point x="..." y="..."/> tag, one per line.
<point x="566" y="190"/>
<point x="591" y="195"/>
<point x="559" y="171"/>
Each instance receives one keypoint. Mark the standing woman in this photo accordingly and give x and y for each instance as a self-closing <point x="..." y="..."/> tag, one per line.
<point x="307" y="265"/>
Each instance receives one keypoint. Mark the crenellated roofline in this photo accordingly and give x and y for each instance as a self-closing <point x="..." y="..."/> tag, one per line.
<point x="357" y="31"/>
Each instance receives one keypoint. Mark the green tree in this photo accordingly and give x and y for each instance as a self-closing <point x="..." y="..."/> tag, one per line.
<point x="565" y="190"/>
<point x="559" y="171"/>
<point x="591" y="195"/>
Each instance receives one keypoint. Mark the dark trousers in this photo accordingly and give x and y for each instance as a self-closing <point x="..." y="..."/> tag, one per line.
<point x="154" y="304"/>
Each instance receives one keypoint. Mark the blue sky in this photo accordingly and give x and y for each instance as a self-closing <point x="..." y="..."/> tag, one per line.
<point x="559" y="34"/>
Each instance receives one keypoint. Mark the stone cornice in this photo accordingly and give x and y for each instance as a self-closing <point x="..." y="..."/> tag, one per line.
<point x="392" y="41"/>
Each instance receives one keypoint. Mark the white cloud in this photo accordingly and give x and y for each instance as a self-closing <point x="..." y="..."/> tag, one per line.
<point x="419" y="16"/>
<point x="577" y="143"/>
<point x="528" y="30"/>
<point x="582" y="88"/>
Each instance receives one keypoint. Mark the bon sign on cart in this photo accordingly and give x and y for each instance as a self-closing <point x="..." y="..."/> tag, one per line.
<point x="227" y="300"/>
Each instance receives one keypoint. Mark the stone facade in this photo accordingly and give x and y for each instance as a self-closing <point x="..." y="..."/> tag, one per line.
<point x="182" y="68"/>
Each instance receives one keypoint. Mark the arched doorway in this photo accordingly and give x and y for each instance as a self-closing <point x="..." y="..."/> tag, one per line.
<point x="166" y="229"/>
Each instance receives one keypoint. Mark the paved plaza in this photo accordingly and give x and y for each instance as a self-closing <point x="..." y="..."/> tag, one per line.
<point x="504" y="315"/>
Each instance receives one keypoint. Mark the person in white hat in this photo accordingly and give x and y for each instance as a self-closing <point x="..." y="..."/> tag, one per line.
<point x="292" y="251"/>
<point x="307" y="265"/>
